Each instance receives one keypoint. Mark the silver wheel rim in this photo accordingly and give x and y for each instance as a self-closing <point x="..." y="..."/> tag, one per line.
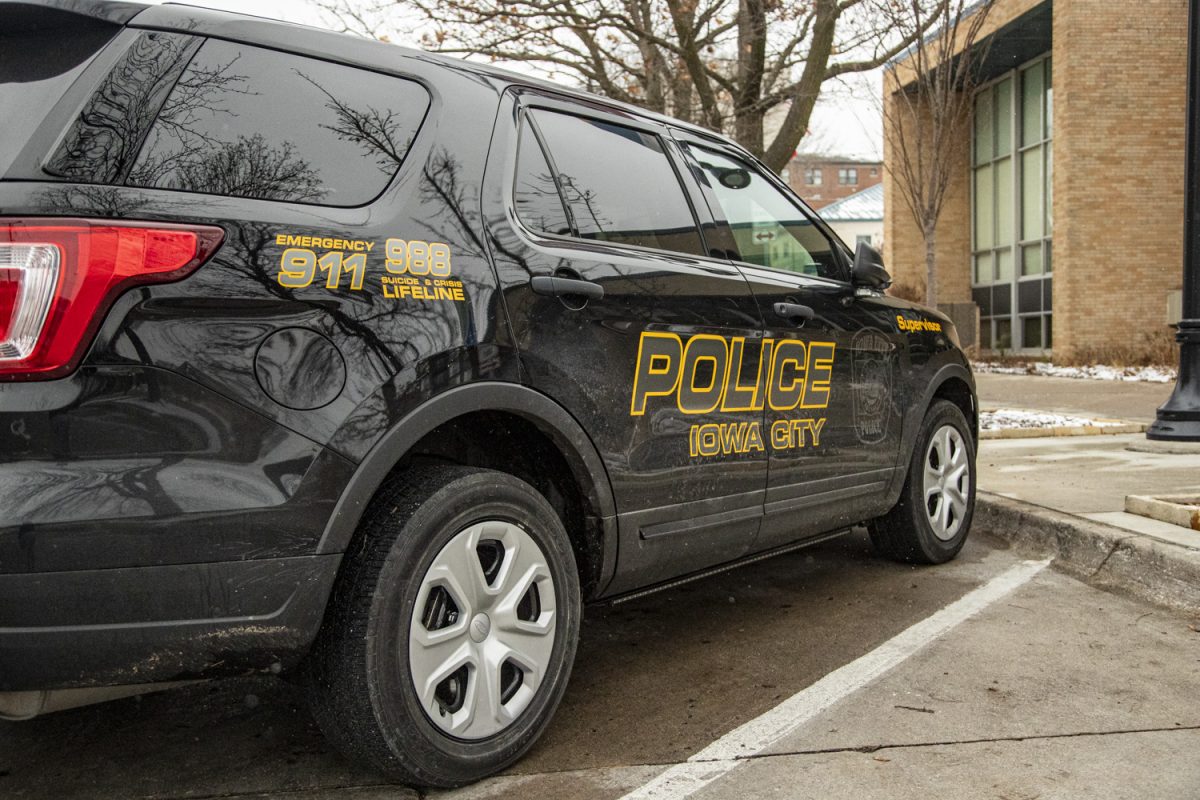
<point x="947" y="482"/>
<point x="482" y="630"/>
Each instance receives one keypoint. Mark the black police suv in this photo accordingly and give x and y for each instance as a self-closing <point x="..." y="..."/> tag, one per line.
<point x="325" y="356"/>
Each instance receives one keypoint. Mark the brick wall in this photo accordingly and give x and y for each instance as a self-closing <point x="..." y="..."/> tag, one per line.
<point x="1118" y="146"/>
<point x="1119" y="105"/>
<point x="904" y="246"/>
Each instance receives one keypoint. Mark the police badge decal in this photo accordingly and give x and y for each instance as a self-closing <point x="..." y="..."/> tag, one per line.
<point x="872" y="354"/>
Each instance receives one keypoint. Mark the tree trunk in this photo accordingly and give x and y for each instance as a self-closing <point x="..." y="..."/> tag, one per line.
<point x="930" y="266"/>
<point x="748" y="131"/>
<point x="808" y="88"/>
<point x="752" y="52"/>
<point x="681" y="93"/>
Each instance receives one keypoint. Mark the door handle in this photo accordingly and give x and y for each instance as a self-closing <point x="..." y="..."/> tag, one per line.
<point x="554" y="286"/>
<point x="794" y="312"/>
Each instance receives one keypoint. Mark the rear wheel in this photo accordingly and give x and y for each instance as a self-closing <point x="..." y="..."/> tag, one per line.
<point x="930" y="521"/>
<point x="451" y="633"/>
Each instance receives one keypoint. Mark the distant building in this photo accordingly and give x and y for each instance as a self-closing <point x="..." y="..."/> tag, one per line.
<point x="858" y="218"/>
<point x="1063" y="223"/>
<point x="821" y="180"/>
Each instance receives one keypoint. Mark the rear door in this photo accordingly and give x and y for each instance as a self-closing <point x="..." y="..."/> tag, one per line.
<point x="832" y="426"/>
<point x="623" y="317"/>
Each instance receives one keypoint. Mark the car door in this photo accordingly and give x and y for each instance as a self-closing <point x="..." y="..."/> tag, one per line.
<point x="620" y="315"/>
<point x="831" y="420"/>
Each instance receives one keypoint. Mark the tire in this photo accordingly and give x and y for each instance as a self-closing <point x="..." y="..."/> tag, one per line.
<point x="931" y="531"/>
<point x="404" y="611"/>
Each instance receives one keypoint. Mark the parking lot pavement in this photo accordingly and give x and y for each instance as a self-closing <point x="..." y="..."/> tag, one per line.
<point x="1056" y="688"/>
<point x="1128" y="400"/>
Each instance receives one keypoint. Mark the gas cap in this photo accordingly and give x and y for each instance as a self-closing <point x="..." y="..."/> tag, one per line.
<point x="300" y="368"/>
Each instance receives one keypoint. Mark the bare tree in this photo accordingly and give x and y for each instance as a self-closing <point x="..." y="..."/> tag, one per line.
<point x="928" y="99"/>
<point x="725" y="64"/>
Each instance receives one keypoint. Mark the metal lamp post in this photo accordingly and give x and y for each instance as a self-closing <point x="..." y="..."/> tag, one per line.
<point x="1179" y="418"/>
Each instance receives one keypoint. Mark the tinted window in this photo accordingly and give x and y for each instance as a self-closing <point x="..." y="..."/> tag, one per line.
<point x="618" y="184"/>
<point x="768" y="228"/>
<point x="103" y="141"/>
<point x="248" y="122"/>
<point x="535" y="194"/>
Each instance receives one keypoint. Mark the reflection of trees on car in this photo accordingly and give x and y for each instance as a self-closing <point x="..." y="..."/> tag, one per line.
<point x="249" y="167"/>
<point x="376" y="130"/>
<point x="182" y="154"/>
<point x="105" y="138"/>
<point x="535" y="192"/>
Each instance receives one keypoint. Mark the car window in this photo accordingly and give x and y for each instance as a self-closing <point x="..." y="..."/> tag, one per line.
<point x="535" y="194"/>
<point x="769" y="230"/>
<point x="619" y="184"/>
<point x="248" y="122"/>
<point x="102" y="141"/>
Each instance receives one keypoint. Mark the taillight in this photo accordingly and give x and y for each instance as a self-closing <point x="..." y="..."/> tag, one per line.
<point x="58" y="277"/>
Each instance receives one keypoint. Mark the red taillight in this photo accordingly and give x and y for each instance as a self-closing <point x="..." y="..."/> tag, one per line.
<point x="58" y="277"/>
<point x="10" y="286"/>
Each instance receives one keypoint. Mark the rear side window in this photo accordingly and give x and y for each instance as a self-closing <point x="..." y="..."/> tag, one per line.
<point x="103" y="141"/>
<point x="247" y="122"/>
<point x="618" y="184"/>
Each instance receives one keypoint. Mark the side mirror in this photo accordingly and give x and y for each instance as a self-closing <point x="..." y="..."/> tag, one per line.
<point x="868" y="268"/>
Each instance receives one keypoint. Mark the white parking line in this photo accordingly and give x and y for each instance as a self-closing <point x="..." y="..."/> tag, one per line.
<point x="723" y="755"/>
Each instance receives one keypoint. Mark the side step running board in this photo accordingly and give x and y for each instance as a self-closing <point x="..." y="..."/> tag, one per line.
<point x="731" y="565"/>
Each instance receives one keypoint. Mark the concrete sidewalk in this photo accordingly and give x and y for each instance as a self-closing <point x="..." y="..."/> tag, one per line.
<point x="1067" y="495"/>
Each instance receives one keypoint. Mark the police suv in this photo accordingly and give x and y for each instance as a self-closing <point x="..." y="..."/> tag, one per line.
<point x="327" y="357"/>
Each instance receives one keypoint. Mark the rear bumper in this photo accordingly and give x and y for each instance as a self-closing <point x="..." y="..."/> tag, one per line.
<point x="145" y="624"/>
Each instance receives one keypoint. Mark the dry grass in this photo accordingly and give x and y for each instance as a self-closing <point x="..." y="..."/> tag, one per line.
<point x="1154" y="348"/>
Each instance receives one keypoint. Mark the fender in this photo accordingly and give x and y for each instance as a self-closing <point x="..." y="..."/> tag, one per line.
<point x="549" y="417"/>
<point x="916" y="412"/>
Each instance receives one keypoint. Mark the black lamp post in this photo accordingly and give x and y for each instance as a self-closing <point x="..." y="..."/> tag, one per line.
<point x="1179" y="418"/>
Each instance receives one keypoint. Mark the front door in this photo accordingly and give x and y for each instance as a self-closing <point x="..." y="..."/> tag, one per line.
<point x="621" y="316"/>
<point x="832" y="423"/>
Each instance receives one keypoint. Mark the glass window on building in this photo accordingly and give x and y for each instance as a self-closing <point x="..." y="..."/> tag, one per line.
<point x="812" y="176"/>
<point x="848" y="176"/>
<point x="1012" y="208"/>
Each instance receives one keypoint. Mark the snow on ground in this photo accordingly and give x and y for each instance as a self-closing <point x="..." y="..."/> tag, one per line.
<point x="1005" y="418"/>
<point x="1101" y="372"/>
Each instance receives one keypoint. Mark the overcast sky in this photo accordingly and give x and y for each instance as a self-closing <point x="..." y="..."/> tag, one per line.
<point x="845" y="122"/>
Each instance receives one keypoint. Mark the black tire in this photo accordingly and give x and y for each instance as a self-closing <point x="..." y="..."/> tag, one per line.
<point x="906" y="533"/>
<point x="361" y="687"/>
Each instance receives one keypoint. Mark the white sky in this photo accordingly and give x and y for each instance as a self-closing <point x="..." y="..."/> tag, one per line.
<point x="846" y="120"/>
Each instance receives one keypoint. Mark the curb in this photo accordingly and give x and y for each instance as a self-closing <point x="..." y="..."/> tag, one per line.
<point x="1064" y="430"/>
<point x="1098" y="554"/>
<point x="1178" y="510"/>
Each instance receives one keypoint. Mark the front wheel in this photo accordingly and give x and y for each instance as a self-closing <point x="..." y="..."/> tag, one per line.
<point x="930" y="521"/>
<point x="452" y="630"/>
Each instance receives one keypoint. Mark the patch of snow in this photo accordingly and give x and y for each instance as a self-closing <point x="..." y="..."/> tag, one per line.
<point x="1102" y="372"/>
<point x="1005" y="418"/>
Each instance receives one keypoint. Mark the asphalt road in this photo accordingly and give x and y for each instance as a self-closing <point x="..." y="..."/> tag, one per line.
<point x="1052" y="689"/>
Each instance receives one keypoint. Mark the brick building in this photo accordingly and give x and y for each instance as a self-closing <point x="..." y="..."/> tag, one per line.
<point x="1064" y="220"/>
<point x="821" y="180"/>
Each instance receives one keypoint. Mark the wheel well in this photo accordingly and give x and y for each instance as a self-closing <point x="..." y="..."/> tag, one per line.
<point x="958" y="392"/>
<point x="510" y="443"/>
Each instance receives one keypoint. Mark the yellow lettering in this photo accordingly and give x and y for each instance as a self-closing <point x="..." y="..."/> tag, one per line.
<point x="814" y="428"/>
